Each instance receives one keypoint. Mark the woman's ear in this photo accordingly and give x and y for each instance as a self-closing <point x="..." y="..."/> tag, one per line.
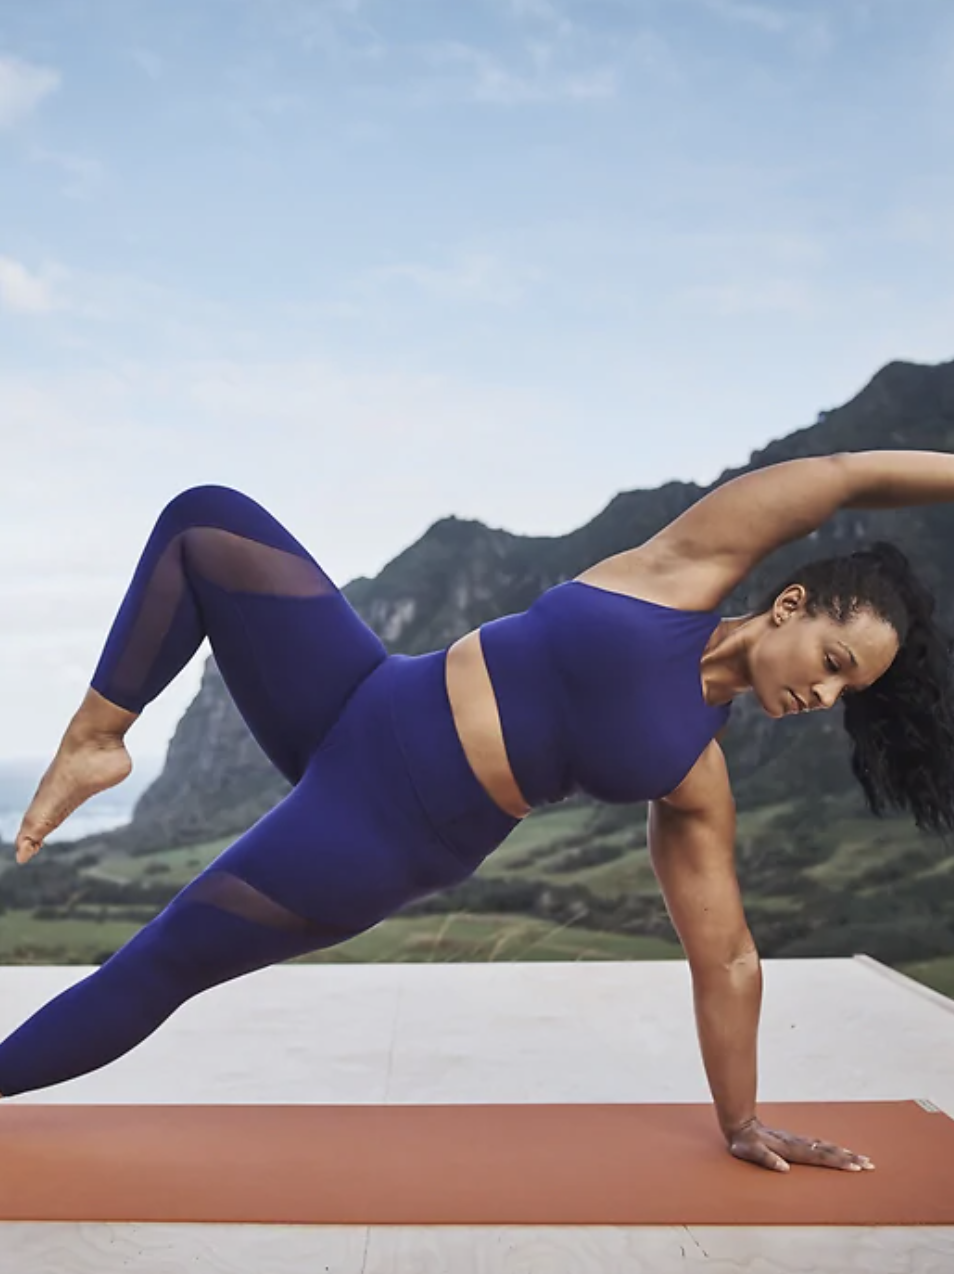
<point x="788" y="603"/>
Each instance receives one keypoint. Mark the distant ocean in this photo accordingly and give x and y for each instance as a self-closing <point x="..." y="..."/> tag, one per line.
<point x="18" y="782"/>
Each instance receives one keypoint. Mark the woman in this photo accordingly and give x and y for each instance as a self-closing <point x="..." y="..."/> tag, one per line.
<point x="409" y="771"/>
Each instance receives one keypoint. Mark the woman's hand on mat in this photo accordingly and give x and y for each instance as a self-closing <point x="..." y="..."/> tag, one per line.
<point x="775" y="1149"/>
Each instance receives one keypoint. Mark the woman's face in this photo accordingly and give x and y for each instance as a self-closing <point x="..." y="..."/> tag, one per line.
<point x="803" y="662"/>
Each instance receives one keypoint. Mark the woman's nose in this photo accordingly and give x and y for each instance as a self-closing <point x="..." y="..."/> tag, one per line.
<point x="826" y="695"/>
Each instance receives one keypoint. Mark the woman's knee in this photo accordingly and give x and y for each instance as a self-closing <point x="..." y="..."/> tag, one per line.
<point x="195" y="505"/>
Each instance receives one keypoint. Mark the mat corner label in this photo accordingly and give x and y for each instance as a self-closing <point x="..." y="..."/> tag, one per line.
<point x="927" y="1105"/>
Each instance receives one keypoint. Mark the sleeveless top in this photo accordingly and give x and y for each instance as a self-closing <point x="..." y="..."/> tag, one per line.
<point x="601" y="693"/>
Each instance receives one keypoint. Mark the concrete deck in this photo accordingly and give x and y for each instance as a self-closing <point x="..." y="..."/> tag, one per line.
<point x="580" y="1032"/>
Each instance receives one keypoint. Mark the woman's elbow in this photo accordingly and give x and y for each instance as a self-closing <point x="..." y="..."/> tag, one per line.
<point x="726" y="960"/>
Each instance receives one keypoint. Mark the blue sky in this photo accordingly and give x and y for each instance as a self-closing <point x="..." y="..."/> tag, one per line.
<point x="377" y="262"/>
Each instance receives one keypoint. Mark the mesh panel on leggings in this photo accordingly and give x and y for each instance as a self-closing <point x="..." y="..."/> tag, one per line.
<point x="231" y="893"/>
<point x="226" y="560"/>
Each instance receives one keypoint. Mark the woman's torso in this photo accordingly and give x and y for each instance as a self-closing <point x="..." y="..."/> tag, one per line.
<point x="630" y="635"/>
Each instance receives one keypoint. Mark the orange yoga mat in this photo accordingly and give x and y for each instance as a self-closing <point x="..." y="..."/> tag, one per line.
<point x="464" y="1165"/>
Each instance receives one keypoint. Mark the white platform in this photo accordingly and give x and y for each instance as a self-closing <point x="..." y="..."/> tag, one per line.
<point x="600" y="1032"/>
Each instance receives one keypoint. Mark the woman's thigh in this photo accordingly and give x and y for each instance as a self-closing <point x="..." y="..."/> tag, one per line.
<point x="290" y="648"/>
<point x="346" y="848"/>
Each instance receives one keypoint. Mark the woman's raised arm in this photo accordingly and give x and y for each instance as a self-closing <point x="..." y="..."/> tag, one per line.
<point x="710" y="548"/>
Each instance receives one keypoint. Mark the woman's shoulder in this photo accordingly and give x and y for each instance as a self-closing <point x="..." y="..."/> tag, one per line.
<point x="658" y="578"/>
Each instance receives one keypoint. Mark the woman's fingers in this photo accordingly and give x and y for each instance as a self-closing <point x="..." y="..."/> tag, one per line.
<point x="775" y="1149"/>
<point x="823" y="1154"/>
<point x="756" y="1151"/>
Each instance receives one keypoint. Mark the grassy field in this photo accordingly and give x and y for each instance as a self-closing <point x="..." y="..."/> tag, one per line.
<point x="26" y="940"/>
<point x="482" y="939"/>
<point x="431" y="939"/>
<point x="938" y="974"/>
<point x="452" y="937"/>
<point x="177" y="866"/>
<point x="553" y="848"/>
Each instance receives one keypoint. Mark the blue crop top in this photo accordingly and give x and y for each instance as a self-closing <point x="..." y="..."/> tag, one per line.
<point x="601" y="692"/>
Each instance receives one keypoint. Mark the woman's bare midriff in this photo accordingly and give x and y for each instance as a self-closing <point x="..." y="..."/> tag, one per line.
<point x="474" y="707"/>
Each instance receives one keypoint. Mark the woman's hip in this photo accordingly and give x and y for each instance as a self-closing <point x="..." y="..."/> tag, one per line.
<point x="397" y="740"/>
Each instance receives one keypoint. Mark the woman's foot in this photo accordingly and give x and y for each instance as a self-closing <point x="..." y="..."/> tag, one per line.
<point x="82" y="767"/>
<point x="90" y="758"/>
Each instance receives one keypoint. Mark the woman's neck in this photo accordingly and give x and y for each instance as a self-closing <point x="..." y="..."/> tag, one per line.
<point x="725" y="660"/>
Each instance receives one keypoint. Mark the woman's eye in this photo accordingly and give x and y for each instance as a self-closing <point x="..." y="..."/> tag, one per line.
<point x="831" y="664"/>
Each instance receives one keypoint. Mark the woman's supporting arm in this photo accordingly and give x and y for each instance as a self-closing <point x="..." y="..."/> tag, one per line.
<point x="692" y="847"/>
<point x="728" y="1004"/>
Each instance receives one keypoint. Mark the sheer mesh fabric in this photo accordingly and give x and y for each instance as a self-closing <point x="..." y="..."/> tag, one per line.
<point x="290" y="648"/>
<point x="228" y="561"/>
<point x="231" y="893"/>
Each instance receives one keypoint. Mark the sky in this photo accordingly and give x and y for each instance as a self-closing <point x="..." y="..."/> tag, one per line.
<point x="375" y="262"/>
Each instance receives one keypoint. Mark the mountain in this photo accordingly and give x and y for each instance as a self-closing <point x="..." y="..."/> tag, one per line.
<point x="461" y="573"/>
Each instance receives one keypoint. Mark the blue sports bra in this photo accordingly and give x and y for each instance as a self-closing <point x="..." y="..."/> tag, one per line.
<point x="601" y="692"/>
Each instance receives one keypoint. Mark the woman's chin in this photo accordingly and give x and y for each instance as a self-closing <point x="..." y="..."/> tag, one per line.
<point x="776" y="710"/>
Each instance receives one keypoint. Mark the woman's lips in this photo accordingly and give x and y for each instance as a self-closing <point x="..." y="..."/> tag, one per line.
<point x="799" y="706"/>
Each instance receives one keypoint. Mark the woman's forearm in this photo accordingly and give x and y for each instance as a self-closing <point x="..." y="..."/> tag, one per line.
<point x="895" y="479"/>
<point x="728" y="1003"/>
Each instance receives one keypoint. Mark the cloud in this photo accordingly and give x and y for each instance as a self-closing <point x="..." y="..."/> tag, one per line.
<point x="23" y="86"/>
<point x="543" y="11"/>
<point x="82" y="176"/>
<point x="544" y="52"/>
<point x="928" y="228"/>
<point x="752" y="14"/>
<point x="475" y="276"/>
<point x="793" y="297"/>
<point x="331" y="27"/>
<point x="812" y="31"/>
<point x="24" y="292"/>
<point x="152" y="65"/>
<point x="487" y="79"/>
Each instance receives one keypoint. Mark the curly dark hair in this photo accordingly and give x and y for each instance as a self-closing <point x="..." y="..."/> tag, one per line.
<point x="902" y="726"/>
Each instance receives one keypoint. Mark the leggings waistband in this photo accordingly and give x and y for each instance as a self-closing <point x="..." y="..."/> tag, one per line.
<point x="464" y="815"/>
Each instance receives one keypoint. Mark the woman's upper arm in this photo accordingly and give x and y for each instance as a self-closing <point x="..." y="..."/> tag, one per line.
<point x="706" y="551"/>
<point x="692" y="848"/>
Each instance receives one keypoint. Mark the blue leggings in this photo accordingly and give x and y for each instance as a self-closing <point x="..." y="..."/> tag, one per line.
<point x="384" y="809"/>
